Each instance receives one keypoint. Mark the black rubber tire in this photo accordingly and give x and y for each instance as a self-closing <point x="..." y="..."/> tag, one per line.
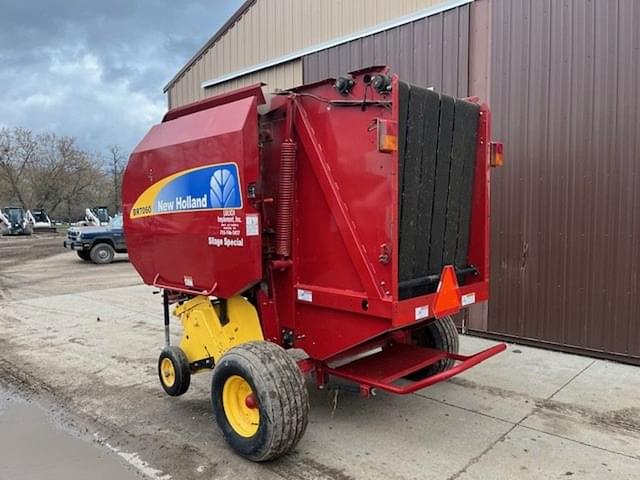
<point x="102" y="254"/>
<point x="440" y="334"/>
<point x="181" y="368"/>
<point x="84" y="255"/>
<point x="283" y="399"/>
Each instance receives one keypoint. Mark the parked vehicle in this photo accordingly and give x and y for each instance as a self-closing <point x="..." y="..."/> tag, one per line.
<point x="5" y="224"/>
<point x="96" y="216"/>
<point x="97" y="244"/>
<point x="15" y="221"/>
<point x="40" y="221"/>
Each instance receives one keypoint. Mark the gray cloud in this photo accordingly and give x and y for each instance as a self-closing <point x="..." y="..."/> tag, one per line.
<point x="95" y="70"/>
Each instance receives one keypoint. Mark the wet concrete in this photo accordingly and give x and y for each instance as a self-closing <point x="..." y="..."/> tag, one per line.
<point x="33" y="447"/>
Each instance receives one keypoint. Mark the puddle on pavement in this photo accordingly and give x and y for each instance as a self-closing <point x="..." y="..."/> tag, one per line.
<point x="32" y="447"/>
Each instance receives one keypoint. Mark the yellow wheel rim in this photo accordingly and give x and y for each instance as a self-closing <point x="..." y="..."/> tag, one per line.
<point x="168" y="372"/>
<point x="240" y="406"/>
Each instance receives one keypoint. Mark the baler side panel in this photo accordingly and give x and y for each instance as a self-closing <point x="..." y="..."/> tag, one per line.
<point x="312" y="257"/>
<point x="189" y="223"/>
<point x="338" y="155"/>
<point x="344" y="219"/>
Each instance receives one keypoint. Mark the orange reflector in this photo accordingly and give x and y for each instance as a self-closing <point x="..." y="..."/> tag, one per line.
<point x="388" y="143"/>
<point x="447" y="296"/>
<point x="387" y="136"/>
<point x="496" y="156"/>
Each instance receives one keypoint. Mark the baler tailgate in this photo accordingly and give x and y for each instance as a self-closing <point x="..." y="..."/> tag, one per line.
<point x="384" y="369"/>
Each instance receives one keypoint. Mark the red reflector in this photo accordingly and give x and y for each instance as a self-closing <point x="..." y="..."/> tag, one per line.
<point x="447" y="296"/>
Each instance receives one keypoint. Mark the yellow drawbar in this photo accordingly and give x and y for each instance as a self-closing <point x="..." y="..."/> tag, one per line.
<point x="204" y="337"/>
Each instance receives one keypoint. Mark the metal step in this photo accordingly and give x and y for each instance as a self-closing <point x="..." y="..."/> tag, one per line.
<point x="392" y="364"/>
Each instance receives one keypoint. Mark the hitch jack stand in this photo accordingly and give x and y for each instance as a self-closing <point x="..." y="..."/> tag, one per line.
<point x="165" y="305"/>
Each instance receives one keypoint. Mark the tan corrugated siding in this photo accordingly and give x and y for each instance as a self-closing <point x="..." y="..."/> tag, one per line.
<point x="272" y="28"/>
<point x="285" y="75"/>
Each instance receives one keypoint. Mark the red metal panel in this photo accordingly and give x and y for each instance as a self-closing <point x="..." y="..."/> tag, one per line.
<point x="480" y="201"/>
<point x="176" y="239"/>
<point x="347" y="197"/>
<point x="245" y="92"/>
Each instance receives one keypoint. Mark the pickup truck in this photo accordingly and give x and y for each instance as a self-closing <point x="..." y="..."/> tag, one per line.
<point x="97" y="244"/>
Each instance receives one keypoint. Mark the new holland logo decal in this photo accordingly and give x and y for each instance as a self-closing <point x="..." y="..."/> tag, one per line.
<point x="211" y="187"/>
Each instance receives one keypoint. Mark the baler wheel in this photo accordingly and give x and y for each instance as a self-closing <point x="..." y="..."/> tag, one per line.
<point x="84" y="255"/>
<point x="173" y="370"/>
<point x="260" y="400"/>
<point x="440" y="334"/>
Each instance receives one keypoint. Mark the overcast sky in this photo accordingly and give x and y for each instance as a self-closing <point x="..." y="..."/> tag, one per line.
<point x="95" y="69"/>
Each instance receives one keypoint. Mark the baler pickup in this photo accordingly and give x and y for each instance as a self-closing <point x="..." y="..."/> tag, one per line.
<point x="344" y="218"/>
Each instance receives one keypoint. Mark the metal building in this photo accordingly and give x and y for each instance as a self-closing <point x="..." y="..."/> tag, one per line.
<point x="560" y="76"/>
<point x="266" y="40"/>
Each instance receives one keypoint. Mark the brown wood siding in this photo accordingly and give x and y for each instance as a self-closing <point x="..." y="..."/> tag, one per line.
<point x="432" y="52"/>
<point x="566" y="205"/>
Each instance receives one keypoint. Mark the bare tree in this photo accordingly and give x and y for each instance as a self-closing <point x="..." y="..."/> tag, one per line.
<point x="85" y="186"/>
<point x="51" y="172"/>
<point x="116" y="163"/>
<point x="18" y="150"/>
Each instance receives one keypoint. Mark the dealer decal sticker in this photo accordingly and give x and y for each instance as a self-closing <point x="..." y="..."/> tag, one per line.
<point x="305" y="295"/>
<point x="211" y="187"/>
<point x="253" y="225"/>
<point x="468" y="299"/>
<point x="422" y="312"/>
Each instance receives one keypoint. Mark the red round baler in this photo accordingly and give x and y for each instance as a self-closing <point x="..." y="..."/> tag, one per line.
<point x="347" y="219"/>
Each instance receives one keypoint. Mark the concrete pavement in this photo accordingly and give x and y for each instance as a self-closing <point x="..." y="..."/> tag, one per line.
<point x="87" y="337"/>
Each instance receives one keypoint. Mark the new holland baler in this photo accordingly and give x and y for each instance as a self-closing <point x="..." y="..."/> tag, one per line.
<point x="347" y="218"/>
